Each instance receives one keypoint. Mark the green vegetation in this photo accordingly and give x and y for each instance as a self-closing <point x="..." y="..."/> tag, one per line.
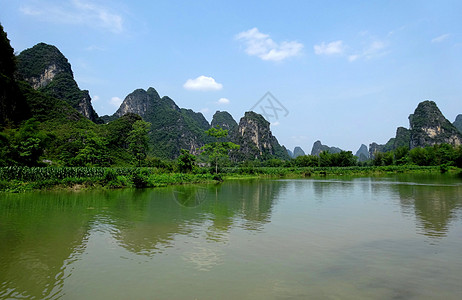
<point x="218" y="150"/>
<point x="186" y="161"/>
<point x="19" y="179"/>
<point x="138" y="140"/>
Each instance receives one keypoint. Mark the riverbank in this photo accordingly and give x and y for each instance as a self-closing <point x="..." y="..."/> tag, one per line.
<point x="23" y="179"/>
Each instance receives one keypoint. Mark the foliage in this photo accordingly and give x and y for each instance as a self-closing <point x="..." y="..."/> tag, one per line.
<point x="92" y="153"/>
<point x="22" y="146"/>
<point x="138" y="140"/>
<point x="186" y="161"/>
<point x="140" y="178"/>
<point x="218" y="150"/>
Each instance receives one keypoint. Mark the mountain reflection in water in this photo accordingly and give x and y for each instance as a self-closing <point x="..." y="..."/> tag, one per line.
<point x="53" y="243"/>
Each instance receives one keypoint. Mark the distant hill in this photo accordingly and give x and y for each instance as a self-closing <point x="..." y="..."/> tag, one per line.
<point x="172" y="128"/>
<point x="427" y="127"/>
<point x="256" y="140"/>
<point x="290" y="153"/>
<point x="458" y="123"/>
<point x="224" y="120"/>
<point x="318" y="147"/>
<point x="298" y="151"/>
<point x="362" y="153"/>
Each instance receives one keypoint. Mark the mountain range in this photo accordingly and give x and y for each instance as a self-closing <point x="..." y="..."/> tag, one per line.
<point x="49" y="74"/>
<point x="39" y="83"/>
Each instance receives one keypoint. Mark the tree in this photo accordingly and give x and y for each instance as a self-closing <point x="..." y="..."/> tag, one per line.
<point x="93" y="153"/>
<point x="138" y="140"/>
<point x="219" y="149"/>
<point x="306" y="161"/>
<point x="186" y="161"/>
<point x="27" y="143"/>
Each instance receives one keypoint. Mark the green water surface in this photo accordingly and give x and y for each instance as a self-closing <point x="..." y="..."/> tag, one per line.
<point x="397" y="237"/>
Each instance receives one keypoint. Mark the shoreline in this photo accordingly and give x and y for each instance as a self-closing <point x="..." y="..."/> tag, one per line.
<point x="23" y="179"/>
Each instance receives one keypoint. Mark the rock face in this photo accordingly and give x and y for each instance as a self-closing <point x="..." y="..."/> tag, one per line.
<point x="428" y="127"/>
<point x="402" y="138"/>
<point x="225" y="121"/>
<point x="47" y="70"/>
<point x="139" y="102"/>
<point x="458" y="123"/>
<point x="362" y="154"/>
<point x="298" y="152"/>
<point x="172" y="128"/>
<point x="256" y="140"/>
<point x="318" y="147"/>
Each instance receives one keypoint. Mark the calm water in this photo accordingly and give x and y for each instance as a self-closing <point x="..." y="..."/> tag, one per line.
<point x="394" y="237"/>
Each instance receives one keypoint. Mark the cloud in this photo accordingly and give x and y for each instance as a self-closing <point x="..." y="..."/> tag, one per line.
<point x="223" y="101"/>
<point x="332" y="48"/>
<point x="353" y="57"/>
<point x="202" y="83"/>
<point x="95" y="98"/>
<point x="441" y="38"/>
<point x="261" y="45"/>
<point x="204" y="110"/>
<point x="76" y="12"/>
<point x="116" y="101"/>
<point x="373" y="49"/>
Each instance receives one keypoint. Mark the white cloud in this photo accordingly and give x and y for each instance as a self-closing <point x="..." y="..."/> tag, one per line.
<point x="204" y="110"/>
<point x="95" y="98"/>
<point x="336" y="47"/>
<point x="441" y="38"/>
<point x="261" y="45"/>
<point x="202" y="83"/>
<point x="373" y="49"/>
<point x="223" y="101"/>
<point x="116" y="101"/>
<point x="76" y="12"/>
<point x="353" y="57"/>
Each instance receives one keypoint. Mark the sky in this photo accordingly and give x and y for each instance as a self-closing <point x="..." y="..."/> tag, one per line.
<point x="343" y="72"/>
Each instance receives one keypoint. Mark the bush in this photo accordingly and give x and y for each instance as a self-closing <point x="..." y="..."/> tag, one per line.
<point x="140" y="178"/>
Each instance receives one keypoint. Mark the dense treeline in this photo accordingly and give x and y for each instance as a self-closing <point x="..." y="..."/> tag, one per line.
<point x="436" y="155"/>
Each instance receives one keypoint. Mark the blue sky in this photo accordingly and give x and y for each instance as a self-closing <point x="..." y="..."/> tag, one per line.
<point x="346" y="72"/>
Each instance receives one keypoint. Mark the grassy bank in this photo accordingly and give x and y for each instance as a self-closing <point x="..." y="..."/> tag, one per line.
<point x="20" y="179"/>
<point x="294" y="172"/>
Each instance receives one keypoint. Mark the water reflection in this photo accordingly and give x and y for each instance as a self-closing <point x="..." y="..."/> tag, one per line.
<point x="435" y="206"/>
<point x="43" y="234"/>
<point x="54" y="240"/>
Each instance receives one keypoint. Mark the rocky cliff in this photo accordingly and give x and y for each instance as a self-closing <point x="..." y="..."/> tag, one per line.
<point x="362" y="154"/>
<point x="46" y="69"/>
<point x="298" y="151"/>
<point x="458" y="123"/>
<point x="318" y="147"/>
<point x="172" y="128"/>
<point x="428" y="127"/>
<point x="225" y="121"/>
<point x="256" y="140"/>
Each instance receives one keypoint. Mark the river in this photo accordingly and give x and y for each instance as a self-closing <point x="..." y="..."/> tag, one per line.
<point x="387" y="237"/>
